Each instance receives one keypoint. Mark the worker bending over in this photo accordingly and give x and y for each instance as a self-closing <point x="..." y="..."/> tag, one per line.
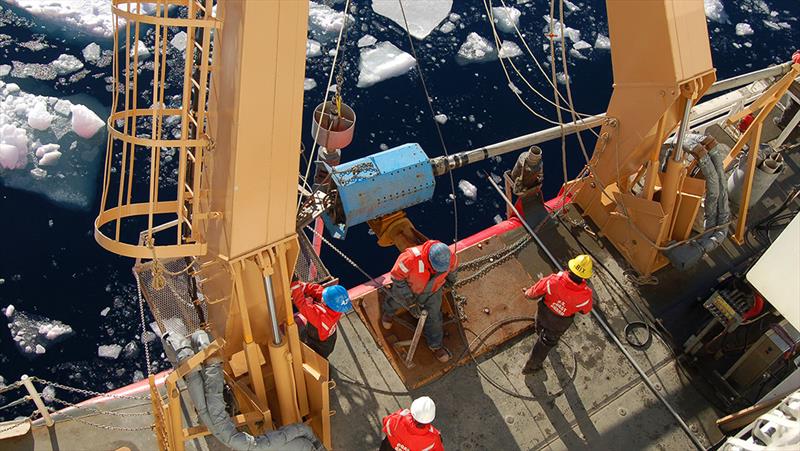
<point x="411" y="429"/>
<point x="564" y="294"/>
<point x="419" y="276"/>
<point x="319" y="309"/>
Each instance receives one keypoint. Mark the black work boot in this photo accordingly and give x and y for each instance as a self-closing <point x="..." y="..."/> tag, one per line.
<point x="531" y="367"/>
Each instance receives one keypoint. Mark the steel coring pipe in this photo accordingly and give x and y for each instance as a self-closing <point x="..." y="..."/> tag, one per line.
<point x="604" y="325"/>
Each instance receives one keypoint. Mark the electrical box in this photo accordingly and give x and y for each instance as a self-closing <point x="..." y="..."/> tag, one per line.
<point x="379" y="184"/>
<point x="763" y="354"/>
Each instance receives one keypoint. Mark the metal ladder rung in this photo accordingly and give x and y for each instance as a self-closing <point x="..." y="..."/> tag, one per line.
<point x="188" y="190"/>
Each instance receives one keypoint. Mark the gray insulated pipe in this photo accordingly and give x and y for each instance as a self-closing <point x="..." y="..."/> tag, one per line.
<point x="717" y="215"/>
<point x="205" y="386"/>
<point x="767" y="171"/>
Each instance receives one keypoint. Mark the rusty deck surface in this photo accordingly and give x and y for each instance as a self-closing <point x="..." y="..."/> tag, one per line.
<point x="489" y="299"/>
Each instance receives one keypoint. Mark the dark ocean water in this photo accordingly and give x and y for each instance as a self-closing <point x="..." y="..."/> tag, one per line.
<point x="52" y="266"/>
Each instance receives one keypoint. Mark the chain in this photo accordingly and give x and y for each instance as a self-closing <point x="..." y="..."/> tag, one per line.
<point x="99" y="411"/>
<point x="113" y="428"/>
<point x="10" y="387"/>
<point x="495" y="259"/>
<point x="17" y="423"/>
<point x="144" y="324"/>
<point x="90" y="393"/>
<point x="22" y="400"/>
<point x="638" y="280"/>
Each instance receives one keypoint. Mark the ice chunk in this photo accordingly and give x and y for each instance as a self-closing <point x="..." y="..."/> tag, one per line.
<point x="63" y="107"/>
<point x="506" y="18"/>
<point x="45" y="149"/>
<point x="324" y="22"/>
<point x="497" y="219"/>
<point x="38" y="117"/>
<point x="441" y="118"/>
<point x="743" y="29"/>
<point x="179" y="41"/>
<point x="138" y="375"/>
<point x="52" y="331"/>
<point x="561" y="78"/>
<point x="475" y="49"/>
<point x="367" y="40"/>
<point x="772" y="25"/>
<point x="571" y="6"/>
<point x="581" y="45"/>
<point x="49" y="393"/>
<point x="84" y="122"/>
<point x="39" y="349"/>
<point x="91" y="52"/>
<point x="13" y="146"/>
<point x="422" y="15"/>
<point x="571" y="33"/>
<point x="34" y="333"/>
<point x="141" y="49"/>
<point x="447" y="27"/>
<point x="50" y="158"/>
<point x="130" y="351"/>
<point x="105" y="311"/>
<point x="92" y="16"/>
<point x="313" y="48"/>
<point x="602" y="42"/>
<point x="468" y="189"/>
<point x="4" y="70"/>
<point x="509" y="49"/>
<point x="66" y="64"/>
<point x="382" y="62"/>
<point x="309" y="84"/>
<point x="38" y="173"/>
<point x="148" y="336"/>
<point x="109" y="351"/>
<point x="9" y="311"/>
<point x="715" y="11"/>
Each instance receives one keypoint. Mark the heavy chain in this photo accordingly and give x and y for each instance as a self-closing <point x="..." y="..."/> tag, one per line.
<point x="108" y="427"/>
<point x="144" y="323"/>
<point x="100" y="411"/>
<point x="494" y="260"/>
<point x="10" y="387"/>
<point x="17" y="423"/>
<point x="90" y="393"/>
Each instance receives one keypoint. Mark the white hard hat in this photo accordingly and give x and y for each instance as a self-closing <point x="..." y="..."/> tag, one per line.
<point x="423" y="410"/>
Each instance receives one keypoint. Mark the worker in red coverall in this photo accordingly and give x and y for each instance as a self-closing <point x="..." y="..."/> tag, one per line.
<point x="319" y="309"/>
<point x="563" y="294"/>
<point x="419" y="277"/>
<point x="411" y="429"/>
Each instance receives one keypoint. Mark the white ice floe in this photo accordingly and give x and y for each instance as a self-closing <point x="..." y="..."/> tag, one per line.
<point x="509" y="49"/>
<point x="743" y="29"/>
<point x="367" y="40"/>
<point x="309" y="84"/>
<point x="715" y="11"/>
<point x="324" y="22"/>
<point x="66" y="64"/>
<point x="13" y="145"/>
<point x="447" y="27"/>
<point x="34" y="333"/>
<point x="141" y="49"/>
<point x="49" y="394"/>
<point x="497" y="219"/>
<point x="38" y="117"/>
<point x="571" y="7"/>
<point x="179" y="41"/>
<point x="382" y="62"/>
<point x="47" y="148"/>
<point x="571" y="33"/>
<point x="84" y="122"/>
<point x="468" y="189"/>
<point x="777" y="26"/>
<point x="476" y="49"/>
<point x="109" y="351"/>
<point x="422" y="15"/>
<point x="91" y="52"/>
<point x="506" y="18"/>
<point x="313" y="49"/>
<point x="561" y="78"/>
<point x="581" y="45"/>
<point x="91" y="16"/>
<point x="602" y="42"/>
<point x="441" y="118"/>
<point x="49" y="158"/>
<point x="105" y="311"/>
<point x="4" y="70"/>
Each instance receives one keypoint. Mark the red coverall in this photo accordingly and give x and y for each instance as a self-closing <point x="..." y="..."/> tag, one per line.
<point x="319" y="331"/>
<point x="563" y="298"/>
<point x="414" y="280"/>
<point x="402" y="434"/>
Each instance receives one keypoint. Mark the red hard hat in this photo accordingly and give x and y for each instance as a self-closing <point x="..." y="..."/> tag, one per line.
<point x="796" y="57"/>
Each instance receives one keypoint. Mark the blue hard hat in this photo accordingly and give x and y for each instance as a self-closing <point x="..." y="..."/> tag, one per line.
<point x="439" y="257"/>
<point x="336" y="298"/>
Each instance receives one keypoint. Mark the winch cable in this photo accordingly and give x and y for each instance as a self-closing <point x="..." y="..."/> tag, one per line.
<point x="597" y="314"/>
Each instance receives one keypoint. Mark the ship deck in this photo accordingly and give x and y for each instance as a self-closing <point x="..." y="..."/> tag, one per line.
<point x="486" y="403"/>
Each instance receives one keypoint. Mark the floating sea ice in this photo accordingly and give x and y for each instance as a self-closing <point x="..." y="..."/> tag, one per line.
<point x="105" y="311"/>
<point x="45" y="149"/>
<point x="602" y="42"/>
<point x="571" y="6"/>
<point x="571" y="33"/>
<point x="38" y="117"/>
<point x="367" y="40"/>
<point x="91" y="52"/>
<point x="313" y="48"/>
<point x="4" y="70"/>
<point x="382" y="62"/>
<point x="576" y="54"/>
<point x="50" y="158"/>
<point x="454" y="17"/>
<point x="141" y="49"/>
<point x="66" y="64"/>
<point x="506" y="18"/>
<point x="743" y="29"/>
<point x="441" y="118"/>
<point x="468" y="189"/>
<point x="475" y="49"/>
<point x="509" y="49"/>
<point x="34" y="333"/>
<point x="13" y="146"/>
<point x="498" y="219"/>
<point x="49" y="394"/>
<point x="109" y="351"/>
<point x="309" y="84"/>
<point x="773" y="25"/>
<point x="715" y="11"/>
<point x="324" y="22"/>
<point x="422" y="15"/>
<point x="179" y="41"/>
<point x="84" y="122"/>
<point x="561" y="78"/>
<point x="39" y="349"/>
<point x="580" y="45"/>
<point x="447" y="27"/>
<point x="92" y="16"/>
<point x="9" y="311"/>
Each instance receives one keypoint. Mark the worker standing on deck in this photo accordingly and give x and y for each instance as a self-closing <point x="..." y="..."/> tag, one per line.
<point x="564" y="294"/>
<point x="411" y="429"/>
<point x="319" y="309"/>
<point x="419" y="277"/>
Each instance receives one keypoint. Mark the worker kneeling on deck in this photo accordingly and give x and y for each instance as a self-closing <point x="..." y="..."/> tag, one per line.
<point x="563" y="294"/>
<point x="418" y="277"/>
<point x="319" y="309"/>
<point x="411" y="429"/>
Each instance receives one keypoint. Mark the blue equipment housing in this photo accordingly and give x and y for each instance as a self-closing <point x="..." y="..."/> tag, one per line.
<point x="380" y="184"/>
